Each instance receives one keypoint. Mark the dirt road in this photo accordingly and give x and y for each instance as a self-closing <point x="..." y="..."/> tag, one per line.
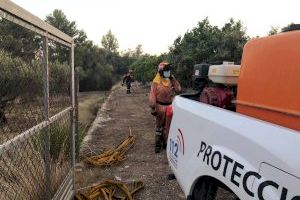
<point x="118" y="114"/>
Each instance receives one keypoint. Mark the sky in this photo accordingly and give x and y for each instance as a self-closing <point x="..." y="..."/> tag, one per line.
<point x="155" y="24"/>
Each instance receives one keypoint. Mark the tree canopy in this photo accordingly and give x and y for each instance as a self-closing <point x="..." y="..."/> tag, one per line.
<point x="110" y="42"/>
<point x="59" y="20"/>
<point x="98" y="67"/>
<point x="274" y="30"/>
<point x="205" y="43"/>
<point x="20" y="42"/>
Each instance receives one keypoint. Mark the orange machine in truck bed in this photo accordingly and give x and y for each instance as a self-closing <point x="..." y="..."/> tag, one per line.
<point x="269" y="82"/>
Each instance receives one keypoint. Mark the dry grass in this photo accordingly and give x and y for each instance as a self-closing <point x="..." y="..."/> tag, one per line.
<point x="22" y="167"/>
<point x="89" y="104"/>
<point x="23" y="172"/>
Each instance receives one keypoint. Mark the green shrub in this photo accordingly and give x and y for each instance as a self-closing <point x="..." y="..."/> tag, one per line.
<point x="145" y="68"/>
<point x="59" y="77"/>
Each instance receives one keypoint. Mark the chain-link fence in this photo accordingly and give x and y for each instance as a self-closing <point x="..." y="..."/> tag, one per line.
<point x="37" y="125"/>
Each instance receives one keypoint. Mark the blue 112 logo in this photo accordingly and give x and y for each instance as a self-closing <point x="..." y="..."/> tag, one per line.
<point x="174" y="147"/>
<point x="177" y="145"/>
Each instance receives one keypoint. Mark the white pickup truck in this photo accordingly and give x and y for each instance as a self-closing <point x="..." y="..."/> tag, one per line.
<point x="253" y="153"/>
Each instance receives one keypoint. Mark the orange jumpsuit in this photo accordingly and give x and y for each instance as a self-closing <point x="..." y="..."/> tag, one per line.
<point x="161" y="95"/>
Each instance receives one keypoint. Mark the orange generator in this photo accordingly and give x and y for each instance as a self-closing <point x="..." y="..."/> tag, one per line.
<point x="269" y="82"/>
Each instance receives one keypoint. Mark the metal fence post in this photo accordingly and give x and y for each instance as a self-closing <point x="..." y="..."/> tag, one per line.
<point x="77" y="142"/>
<point x="73" y="121"/>
<point x="46" y="118"/>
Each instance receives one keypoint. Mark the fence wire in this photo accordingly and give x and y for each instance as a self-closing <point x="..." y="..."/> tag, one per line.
<point x="36" y="112"/>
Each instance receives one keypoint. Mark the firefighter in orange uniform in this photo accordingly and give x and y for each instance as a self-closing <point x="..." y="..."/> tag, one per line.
<point x="161" y="95"/>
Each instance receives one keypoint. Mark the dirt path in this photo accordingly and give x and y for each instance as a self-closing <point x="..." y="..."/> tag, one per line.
<point x="120" y="112"/>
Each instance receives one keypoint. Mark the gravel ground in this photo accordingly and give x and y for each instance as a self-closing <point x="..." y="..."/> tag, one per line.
<point x="119" y="113"/>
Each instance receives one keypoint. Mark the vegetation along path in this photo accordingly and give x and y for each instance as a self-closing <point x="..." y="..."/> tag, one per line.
<point x="119" y="113"/>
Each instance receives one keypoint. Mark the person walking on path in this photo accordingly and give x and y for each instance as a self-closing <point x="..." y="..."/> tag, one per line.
<point x="128" y="79"/>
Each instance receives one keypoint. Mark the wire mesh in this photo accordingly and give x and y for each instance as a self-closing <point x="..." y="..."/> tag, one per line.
<point x="22" y="170"/>
<point x="36" y="131"/>
<point x="59" y="77"/>
<point x="21" y="80"/>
